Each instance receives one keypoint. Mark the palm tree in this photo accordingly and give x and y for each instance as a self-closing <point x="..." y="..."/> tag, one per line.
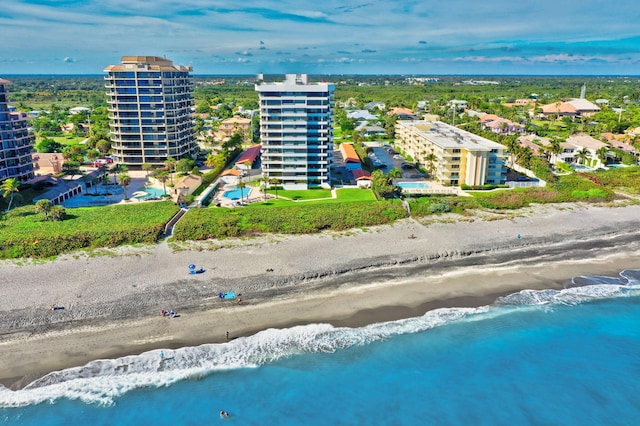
<point x="147" y="167"/>
<point x="524" y="156"/>
<point x="8" y="188"/>
<point x="241" y="186"/>
<point x="555" y="148"/>
<point x="582" y="155"/>
<point x="602" y="154"/>
<point x="124" y="180"/>
<point x="170" y="163"/>
<point x="211" y="161"/>
<point x="513" y="146"/>
<point x="431" y="160"/>
<point x="265" y="182"/>
<point x="162" y="176"/>
<point x="275" y="182"/>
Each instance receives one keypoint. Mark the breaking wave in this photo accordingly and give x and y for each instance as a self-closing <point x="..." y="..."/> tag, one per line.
<point x="103" y="381"/>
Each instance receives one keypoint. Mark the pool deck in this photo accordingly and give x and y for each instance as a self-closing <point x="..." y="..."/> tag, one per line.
<point x="254" y="195"/>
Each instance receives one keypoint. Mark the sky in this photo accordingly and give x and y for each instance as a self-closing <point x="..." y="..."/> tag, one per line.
<point x="406" y="37"/>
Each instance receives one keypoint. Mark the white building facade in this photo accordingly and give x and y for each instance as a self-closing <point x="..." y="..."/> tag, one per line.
<point x="150" y="110"/>
<point x="16" y="142"/>
<point x="296" y="131"/>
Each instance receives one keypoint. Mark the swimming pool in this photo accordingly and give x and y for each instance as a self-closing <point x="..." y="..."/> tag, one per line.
<point x="237" y="193"/>
<point x="147" y="192"/>
<point x="412" y="185"/>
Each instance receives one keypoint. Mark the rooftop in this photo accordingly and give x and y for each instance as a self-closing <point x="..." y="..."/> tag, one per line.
<point x="447" y="136"/>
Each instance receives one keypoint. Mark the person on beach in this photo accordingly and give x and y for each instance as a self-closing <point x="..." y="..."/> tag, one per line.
<point x="227" y="335"/>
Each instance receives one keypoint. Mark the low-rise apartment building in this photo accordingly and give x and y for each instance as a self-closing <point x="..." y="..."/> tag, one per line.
<point x="459" y="157"/>
<point x="233" y="125"/>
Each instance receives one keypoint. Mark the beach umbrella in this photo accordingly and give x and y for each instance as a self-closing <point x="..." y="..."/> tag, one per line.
<point x="192" y="266"/>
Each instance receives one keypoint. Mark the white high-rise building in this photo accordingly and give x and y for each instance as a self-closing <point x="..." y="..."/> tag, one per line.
<point x="150" y="102"/>
<point x="16" y="142"/>
<point x="295" y="130"/>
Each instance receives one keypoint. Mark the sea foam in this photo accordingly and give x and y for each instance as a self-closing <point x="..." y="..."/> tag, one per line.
<point x="102" y="381"/>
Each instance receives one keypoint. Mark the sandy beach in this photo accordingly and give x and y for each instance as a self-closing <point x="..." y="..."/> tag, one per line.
<point x="112" y="298"/>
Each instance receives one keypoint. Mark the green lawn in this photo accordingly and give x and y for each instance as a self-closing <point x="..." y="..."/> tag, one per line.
<point x="303" y="194"/>
<point x="65" y="140"/>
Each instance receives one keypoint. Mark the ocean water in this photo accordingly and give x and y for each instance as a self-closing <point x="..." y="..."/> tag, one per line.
<point x="569" y="357"/>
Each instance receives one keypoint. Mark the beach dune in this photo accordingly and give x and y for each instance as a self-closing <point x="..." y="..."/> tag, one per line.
<point x="112" y="302"/>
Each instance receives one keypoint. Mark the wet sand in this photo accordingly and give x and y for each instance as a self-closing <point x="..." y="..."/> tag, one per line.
<point x="112" y="302"/>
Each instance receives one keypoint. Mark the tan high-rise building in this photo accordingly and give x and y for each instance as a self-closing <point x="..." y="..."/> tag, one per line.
<point x="150" y="102"/>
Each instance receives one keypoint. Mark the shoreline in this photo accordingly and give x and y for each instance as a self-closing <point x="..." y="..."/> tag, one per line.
<point x="112" y="303"/>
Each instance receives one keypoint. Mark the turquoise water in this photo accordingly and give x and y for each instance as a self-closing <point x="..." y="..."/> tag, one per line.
<point x="547" y="357"/>
<point x="151" y="192"/>
<point x="412" y="185"/>
<point x="237" y="193"/>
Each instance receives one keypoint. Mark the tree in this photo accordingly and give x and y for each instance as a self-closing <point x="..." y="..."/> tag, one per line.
<point x="241" y="186"/>
<point x="124" y="180"/>
<point x="92" y="155"/>
<point x="234" y="142"/>
<point x="104" y="146"/>
<point x="265" y="182"/>
<point x="57" y="213"/>
<point x="184" y="165"/>
<point x="211" y="161"/>
<point x="431" y="160"/>
<point x="147" y="167"/>
<point x="513" y="146"/>
<point x="275" y="182"/>
<point x="555" y="148"/>
<point x="602" y="154"/>
<point x="582" y="155"/>
<point x="170" y="164"/>
<point x="8" y="188"/>
<point x="162" y="176"/>
<point x="44" y="206"/>
<point x="119" y="168"/>
<point x="525" y="155"/>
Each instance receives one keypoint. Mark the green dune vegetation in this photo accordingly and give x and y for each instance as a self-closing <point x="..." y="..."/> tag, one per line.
<point x="25" y="233"/>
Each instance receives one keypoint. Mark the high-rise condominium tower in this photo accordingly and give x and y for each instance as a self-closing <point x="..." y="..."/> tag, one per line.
<point x="16" y="143"/>
<point x="295" y="130"/>
<point x="150" y="102"/>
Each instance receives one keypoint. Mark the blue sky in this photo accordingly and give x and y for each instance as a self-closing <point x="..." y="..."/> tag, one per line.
<point x="425" y="37"/>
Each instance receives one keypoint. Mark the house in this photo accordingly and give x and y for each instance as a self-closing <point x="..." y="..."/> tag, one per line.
<point x="363" y="178"/>
<point x="350" y="157"/>
<point x="592" y="145"/>
<point x="79" y="110"/>
<point x="535" y="143"/>
<point x="458" y="104"/>
<point x="231" y="176"/>
<point x="248" y="158"/>
<point x="567" y="154"/>
<point x="375" y="105"/>
<point x="574" y="108"/>
<point x="361" y="114"/>
<point x="500" y="125"/>
<point x="403" y="113"/>
<point x="366" y="130"/>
